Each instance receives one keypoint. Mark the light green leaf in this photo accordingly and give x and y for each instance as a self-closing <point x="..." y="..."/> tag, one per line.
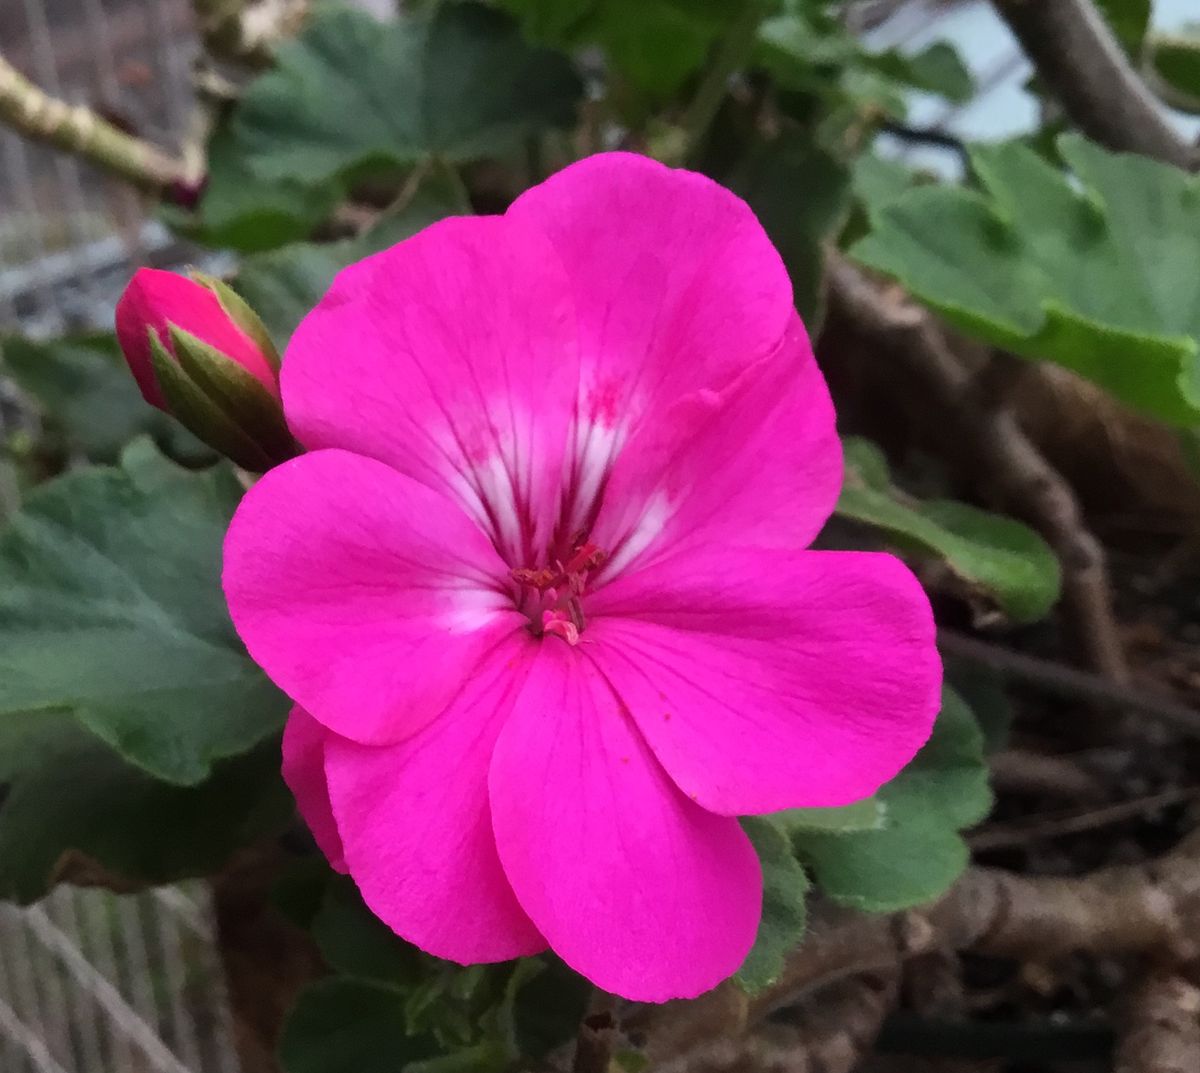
<point x="111" y="608"/>
<point x="995" y="557"/>
<point x="73" y="805"/>
<point x="283" y="285"/>
<point x="86" y="388"/>
<point x="352" y="95"/>
<point x="784" y="914"/>
<point x="917" y="853"/>
<point x="877" y="182"/>
<point x="1175" y="61"/>
<point x="1099" y="279"/>
<point x="801" y="195"/>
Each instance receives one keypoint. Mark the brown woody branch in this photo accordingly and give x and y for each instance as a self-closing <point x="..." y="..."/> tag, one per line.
<point x="1151" y="908"/>
<point x="1161" y="1026"/>
<point x="1085" y="67"/>
<point x="986" y="427"/>
<point x="30" y="111"/>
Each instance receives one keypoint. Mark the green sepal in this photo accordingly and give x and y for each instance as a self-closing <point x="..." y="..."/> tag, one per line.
<point x="242" y="315"/>
<point x="238" y="392"/>
<point x="200" y="414"/>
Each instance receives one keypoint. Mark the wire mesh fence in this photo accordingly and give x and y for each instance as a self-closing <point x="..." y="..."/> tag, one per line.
<point x="92" y="982"/>
<point x="67" y="232"/>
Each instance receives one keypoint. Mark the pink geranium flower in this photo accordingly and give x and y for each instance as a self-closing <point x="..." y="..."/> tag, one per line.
<point x="539" y="587"/>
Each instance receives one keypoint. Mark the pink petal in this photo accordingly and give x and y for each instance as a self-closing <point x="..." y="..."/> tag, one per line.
<point x="758" y="463"/>
<point x="304" y="772"/>
<point x="632" y="884"/>
<point x="416" y="825"/>
<point x="677" y="290"/>
<point x="365" y="596"/>
<point x="772" y="680"/>
<point x="452" y="357"/>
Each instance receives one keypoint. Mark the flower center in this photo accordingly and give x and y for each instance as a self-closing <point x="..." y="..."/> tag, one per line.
<point x="552" y="596"/>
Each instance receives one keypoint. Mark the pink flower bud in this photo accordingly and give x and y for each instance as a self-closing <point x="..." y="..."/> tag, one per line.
<point x="156" y="300"/>
<point x="200" y="353"/>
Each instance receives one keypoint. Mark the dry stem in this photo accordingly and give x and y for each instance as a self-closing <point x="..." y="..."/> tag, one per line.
<point x="76" y="129"/>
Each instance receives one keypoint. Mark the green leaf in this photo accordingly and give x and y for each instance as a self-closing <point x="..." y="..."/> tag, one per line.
<point x="1129" y="20"/>
<point x="865" y="815"/>
<point x="241" y="211"/>
<point x="801" y="195"/>
<point x="995" y="557"/>
<point x="877" y="182"/>
<point x="352" y="96"/>
<point x="74" y="805"/>
<point x="356" y="943"/>
<point x="1175" y="61"/>
<point x="1098" y="279"/>
<point x="784" y="914"/>
<point x="342" y="1025"/>
<point x="918" y="852"/>
<point x="283" y="285"/>
<point x="111" y="608"/>
<point x="87" y="390"/>
<point x="651" y="46"/>
<point x="937" y="69"/>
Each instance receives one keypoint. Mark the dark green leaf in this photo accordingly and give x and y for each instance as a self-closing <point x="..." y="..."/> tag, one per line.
<point x="352" y="95"/>
<point x="917" y="853"/>
<point x="1129" y="20"/>
<point x="341" y="1025"/>
<point x="1175" y="61"/>
<point x="801" y="194"/>
<point x="356" y="943"/>
<point x="283" y="285"/>
<point x="111" y="607"/>
<point x="242" y="211"/>
<point x="784" y="914"/>
<point x="73" y="805"/>
<point x="1099" y="279"/>
<point x="995" y="557"/>
<point x="652" y="46"/>
<point x="86" y="388"/>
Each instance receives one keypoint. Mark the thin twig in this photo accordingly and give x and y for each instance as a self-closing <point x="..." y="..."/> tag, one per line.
<point x="1085" y="67"/>
<point x="1001" y="836"/>
<point x="76" y="129"/>
<point x="986" y="428"/>
<point x="1071" y="682"/>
